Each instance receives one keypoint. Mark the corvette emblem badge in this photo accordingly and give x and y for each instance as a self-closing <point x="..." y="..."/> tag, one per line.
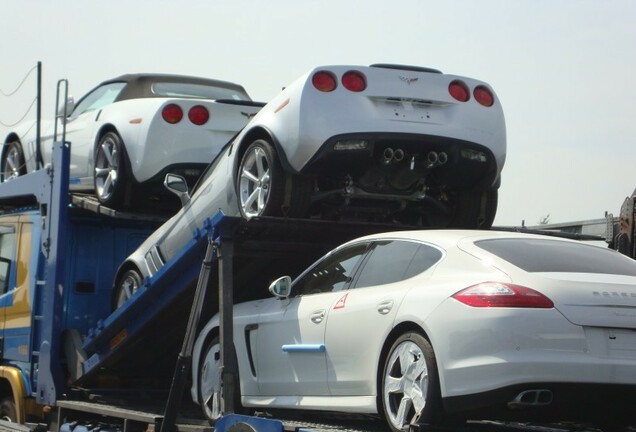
<point x="248" y="115"/>
<point x="408" y="80"/>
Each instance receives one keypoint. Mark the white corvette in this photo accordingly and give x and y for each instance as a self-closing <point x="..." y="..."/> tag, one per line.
<point x="439" y="324"/>
<point x="385" y="143"/>
<point x="132" y="130"/>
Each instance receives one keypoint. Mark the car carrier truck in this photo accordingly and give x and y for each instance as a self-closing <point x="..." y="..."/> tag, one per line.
<point x="69" y="362"/>
<point x="67" y="357"/>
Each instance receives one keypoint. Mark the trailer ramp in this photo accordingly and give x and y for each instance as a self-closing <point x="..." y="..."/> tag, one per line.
<point x="140" y="340"/>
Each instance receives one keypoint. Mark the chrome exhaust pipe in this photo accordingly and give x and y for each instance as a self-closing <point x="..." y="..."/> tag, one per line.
<point x="532" y="398"/>
<point x="442" y="158"/>
<point x="398" y="155"/>
<point x="387" y="156"/>
<point x="431" y="159"/>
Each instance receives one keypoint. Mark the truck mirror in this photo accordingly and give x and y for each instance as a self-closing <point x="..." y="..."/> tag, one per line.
<point x="281" y="287"/>
<point x="178" y="186"/>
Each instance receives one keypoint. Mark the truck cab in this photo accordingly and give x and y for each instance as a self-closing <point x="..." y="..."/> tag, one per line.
<point x="94" y="245"/>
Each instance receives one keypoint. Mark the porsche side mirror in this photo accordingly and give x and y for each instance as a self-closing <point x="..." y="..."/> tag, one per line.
<point x="178" y="186"/>
<point x="281" y="287"/>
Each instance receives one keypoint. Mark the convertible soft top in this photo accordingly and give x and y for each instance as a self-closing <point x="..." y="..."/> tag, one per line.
<point x="139" y="85"/>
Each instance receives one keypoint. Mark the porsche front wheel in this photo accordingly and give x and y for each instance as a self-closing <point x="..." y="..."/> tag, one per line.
<point x="211" y="384"/>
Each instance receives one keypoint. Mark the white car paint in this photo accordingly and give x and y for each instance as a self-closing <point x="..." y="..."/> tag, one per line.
<point x="587" y="338"/>
<point x="151" y="143"/>
<point x="303" y="122"/>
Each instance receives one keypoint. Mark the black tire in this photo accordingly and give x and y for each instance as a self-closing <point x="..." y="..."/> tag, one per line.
<point x="398" y="387"/>
<point x="8" y="410"/>
<point x="263" y="187"/>
<point x="127" y="285"/>
<point x="475" y="209"/>
<point x="109" y="175"/>
<point x="210" y="394"/>
<point x="13" y="162"/>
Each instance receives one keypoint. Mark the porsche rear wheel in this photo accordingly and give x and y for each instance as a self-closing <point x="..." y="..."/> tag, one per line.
<point x="126" y="287"/>
<point x="110" y="173"/>
<point x="13" y="162"/>
<point x="410" y="383"/>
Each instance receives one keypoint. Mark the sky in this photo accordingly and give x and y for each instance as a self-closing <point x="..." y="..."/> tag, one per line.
<point x="562" y="69"/>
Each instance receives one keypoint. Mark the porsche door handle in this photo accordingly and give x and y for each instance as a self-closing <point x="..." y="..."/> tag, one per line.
<point x="385" y="307"/>
<point x="317" y="316"/>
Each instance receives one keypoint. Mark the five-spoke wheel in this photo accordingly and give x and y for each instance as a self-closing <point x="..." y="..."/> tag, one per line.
<point x="13" y="162"/>
<point x="110" y="176"/>
<point x="410" y="384"/>
<point x="260" y="181"/>
<point x="126" y="287"/>
<point x="211" y="384"/>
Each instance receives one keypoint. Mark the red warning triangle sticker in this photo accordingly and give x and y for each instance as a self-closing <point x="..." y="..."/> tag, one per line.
<point x="340" y="304"/>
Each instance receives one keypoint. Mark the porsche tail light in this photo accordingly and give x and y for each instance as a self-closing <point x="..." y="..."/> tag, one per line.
<point x="484" y="96"/>
<point x="498" y="294"/>
<point x="459" y="91"/>
<point x="199" y="115"/>
<point x="324" y="81"/>
<point x="172" y="113"/>
<point x="354" y="81"/>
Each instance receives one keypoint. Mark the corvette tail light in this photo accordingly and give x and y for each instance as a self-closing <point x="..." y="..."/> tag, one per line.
<point x="484" y="96"/>
<point x="324" y="81"/>
<point x="172" y="113"/>
<point x="459" y="91"/>
<point x="497" y="294"/>
<point x="199" y="115"/>
<point x="354" y="81"/>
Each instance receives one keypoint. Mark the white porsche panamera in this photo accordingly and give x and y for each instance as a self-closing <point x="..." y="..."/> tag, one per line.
<point x="437" y="324"/>
<point x="131" y="130"/>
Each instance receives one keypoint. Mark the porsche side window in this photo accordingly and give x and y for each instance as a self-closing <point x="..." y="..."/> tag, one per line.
<point x="101" y="96"/>
<point x="425" y="258"/>
<point x="332" y="274"/>
<point x="7" y="251"/>
<point x="393" y="261"/>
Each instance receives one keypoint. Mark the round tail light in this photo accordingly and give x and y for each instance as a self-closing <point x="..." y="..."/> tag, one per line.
<point x="354" y="81"/>
<point x="172" y="113"/>
<point x="459" y="91"/>
<point x="324" y="81"/>
<point x="484" y="96"/>
<point x="199" y="115"/>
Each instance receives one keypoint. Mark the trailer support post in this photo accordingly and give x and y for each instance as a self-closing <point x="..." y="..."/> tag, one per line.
<point x="227" y="362"/>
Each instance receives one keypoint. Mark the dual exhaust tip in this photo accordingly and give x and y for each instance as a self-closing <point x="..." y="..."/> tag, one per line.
<point x="532" y="398"/>
<point x="432" y="158"/>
